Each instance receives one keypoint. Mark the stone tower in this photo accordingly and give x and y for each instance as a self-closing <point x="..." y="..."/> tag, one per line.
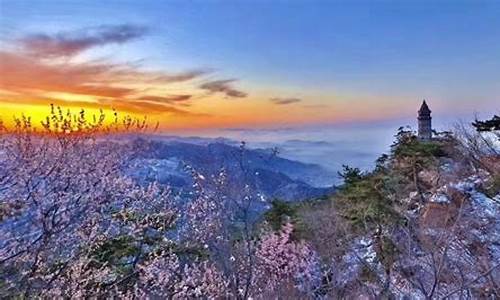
<point x="424" y="123"/>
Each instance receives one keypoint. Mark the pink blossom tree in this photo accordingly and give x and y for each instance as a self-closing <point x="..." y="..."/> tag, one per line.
<point x="72" y="224"/>
<point x="254" y="262"/>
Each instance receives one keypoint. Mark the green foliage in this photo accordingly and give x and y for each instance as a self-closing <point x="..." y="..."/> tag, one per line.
<point x="363" y="201"/>
<point x="159" y="221"/>
<point x="386" y="252"/>
<point x="189" y="252"/>
<point x="122" y="251"/>
<point x="368" y="275"/>
<point x="492" y="187"/>
<point x="280" y="213"/>
<point x="381" y="162"/>
<point x="370" y="200"/>
<point x="404" y="134"/>
<point x="114" y="250"/>
<point x="416" y="148"/>
<point x="393" y="184"/>
<point x="350" y="175"/>
<point x="408" y="145"/>
<point x="409" y="155"/>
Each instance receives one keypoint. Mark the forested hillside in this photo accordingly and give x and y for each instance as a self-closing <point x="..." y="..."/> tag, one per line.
<point x="75" y="223"/>
<point x="425" y="223"/>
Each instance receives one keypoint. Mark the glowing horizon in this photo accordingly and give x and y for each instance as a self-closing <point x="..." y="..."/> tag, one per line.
<point x="219" y="66"/>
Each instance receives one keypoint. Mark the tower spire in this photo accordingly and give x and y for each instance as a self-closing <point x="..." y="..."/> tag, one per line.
<point x="424" y="108"/>
<point x="424" y="122"/>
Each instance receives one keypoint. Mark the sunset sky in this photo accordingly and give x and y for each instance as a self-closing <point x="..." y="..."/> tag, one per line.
<point x="219" y="64"/>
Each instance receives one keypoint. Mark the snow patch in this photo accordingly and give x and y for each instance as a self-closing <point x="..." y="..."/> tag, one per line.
<point x="366" y="251"/>
<point x="486" y="206"/>
<point x="439" y="198"/>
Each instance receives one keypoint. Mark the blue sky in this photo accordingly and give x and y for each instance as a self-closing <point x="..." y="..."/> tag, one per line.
<point x="377" y="54"/>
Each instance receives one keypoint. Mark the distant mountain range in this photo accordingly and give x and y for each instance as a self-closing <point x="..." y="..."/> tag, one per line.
<point x="270" y="176"/>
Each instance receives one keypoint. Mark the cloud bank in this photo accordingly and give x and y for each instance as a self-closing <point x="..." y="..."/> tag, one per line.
<point x="41" y="70"/>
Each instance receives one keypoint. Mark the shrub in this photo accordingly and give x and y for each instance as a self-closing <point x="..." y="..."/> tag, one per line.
<point x="492" y="187"/>
<point x="280" y="213"/>
<point x="364" y="203"/>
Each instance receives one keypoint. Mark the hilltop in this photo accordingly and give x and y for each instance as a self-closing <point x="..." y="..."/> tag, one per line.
<point x="425" y="222"/>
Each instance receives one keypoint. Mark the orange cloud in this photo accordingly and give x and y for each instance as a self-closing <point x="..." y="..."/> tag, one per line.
<point x="147" y="107"/>
<point x="24" y="74"/>
<point x="37" y="73"/>
<point x="45" y="70"/>
<point x="117" y="85"/>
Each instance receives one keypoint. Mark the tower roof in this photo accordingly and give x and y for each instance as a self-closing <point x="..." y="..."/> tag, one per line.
<point x="424" y="109"/>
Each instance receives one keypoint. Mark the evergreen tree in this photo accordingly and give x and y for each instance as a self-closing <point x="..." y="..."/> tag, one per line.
<point x="489" y="125"/>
